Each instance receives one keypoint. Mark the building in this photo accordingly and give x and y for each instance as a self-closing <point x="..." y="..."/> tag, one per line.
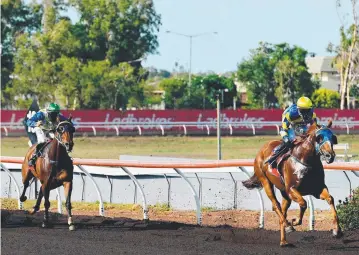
<point x="323" y="69"/>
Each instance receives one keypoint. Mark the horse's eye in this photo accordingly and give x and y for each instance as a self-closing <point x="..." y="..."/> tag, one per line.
<point x="319" y="138"/>
<point x="61" y="129"/>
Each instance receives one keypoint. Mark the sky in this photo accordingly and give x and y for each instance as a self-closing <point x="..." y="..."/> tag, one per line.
<point x="241" y="25"/>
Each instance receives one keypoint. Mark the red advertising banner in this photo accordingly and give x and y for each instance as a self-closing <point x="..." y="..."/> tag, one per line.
<point x="159" y="117"/>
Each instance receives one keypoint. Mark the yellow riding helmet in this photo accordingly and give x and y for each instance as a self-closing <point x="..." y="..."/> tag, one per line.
<point x="304" y="103"/>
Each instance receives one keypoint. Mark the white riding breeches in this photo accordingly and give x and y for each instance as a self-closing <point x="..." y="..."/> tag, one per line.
<point x="40" y="135"/>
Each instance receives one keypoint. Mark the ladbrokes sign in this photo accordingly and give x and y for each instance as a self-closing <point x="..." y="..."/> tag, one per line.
<point x="153" y="118"/>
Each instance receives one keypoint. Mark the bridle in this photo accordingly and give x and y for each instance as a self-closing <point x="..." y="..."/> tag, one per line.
<point x="60" y="130"/>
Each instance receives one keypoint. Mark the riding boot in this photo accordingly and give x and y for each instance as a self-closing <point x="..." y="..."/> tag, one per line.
<point x="278" y="150"/>
<point x="35" y="155"/>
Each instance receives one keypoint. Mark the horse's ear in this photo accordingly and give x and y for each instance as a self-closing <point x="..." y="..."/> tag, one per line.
<point x="70" y="118"/>
<point x="58" y="119"/>
<point x="330" y="122"/>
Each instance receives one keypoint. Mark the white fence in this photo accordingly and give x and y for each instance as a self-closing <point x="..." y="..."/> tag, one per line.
<point x="184" y="128"/>
<point x="139" y="167"/>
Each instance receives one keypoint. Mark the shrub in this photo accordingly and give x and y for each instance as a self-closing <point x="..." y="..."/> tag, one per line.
<point x="348" y="211"/>
<point x="326" y="98"/>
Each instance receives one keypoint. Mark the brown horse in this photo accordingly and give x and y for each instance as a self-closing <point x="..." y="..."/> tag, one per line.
<point x="54" y="168"/>
<point x="302" y="173"/>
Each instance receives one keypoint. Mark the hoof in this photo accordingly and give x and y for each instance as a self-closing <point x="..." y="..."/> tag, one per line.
<point x="72" y="227"/>
<point x="289" y="229"/>
<point x="36" y="209"/>
<point x="337" y="233"/>
<point x="45" y="225"/>
<point x="287" y="245"/>
<point x="296" y="222"/>
<point x="23" y="199"/>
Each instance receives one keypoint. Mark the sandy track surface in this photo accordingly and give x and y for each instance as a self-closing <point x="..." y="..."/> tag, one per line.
<point x="22" y="234"/>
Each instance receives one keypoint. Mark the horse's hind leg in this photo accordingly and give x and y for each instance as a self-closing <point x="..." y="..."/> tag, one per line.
<point x="68" y="191"/>
<point x="286" y="202"/>
<point x="38" y="202"/>
<point x="297" y="197"/>
<point x="324" y="195"/>
<point x="268" y="187"/>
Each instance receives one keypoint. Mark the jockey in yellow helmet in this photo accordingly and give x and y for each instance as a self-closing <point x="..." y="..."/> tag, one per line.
<point x="295" y="120"/>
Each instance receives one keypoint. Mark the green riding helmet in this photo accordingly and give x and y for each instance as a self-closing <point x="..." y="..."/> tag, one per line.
<point x="53" y="110"/>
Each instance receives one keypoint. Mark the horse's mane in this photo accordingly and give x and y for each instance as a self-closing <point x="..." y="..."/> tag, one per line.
<point x="311" y="131"/>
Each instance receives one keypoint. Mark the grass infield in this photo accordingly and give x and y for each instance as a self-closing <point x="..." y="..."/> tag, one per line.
<point x="188" y="147"/>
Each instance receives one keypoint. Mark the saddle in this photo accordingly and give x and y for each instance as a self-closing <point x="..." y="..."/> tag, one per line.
<point x="43" y="146"/>
<point x="39" y="151"/>
<point x="276" y="167"/>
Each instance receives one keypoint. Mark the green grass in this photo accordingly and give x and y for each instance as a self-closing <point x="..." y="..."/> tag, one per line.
<point x="12" y="204"/>
<point x="190" y="147"/>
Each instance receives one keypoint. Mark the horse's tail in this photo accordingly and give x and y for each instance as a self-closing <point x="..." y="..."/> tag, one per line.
<point x="252" y="183"/>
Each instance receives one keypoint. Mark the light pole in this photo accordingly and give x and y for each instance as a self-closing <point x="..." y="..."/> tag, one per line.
<point x="190" y="49"/>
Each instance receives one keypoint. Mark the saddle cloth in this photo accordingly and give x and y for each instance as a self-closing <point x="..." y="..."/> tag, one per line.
<point x="276" y="167"/>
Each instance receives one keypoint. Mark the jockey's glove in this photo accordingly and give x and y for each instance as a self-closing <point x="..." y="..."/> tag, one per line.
<point x="287" y="142"/>
<point x="39" y="123"/>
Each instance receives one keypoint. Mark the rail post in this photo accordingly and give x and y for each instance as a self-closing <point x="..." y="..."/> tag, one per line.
<point x="234" y="191"/>
<point x="109" y="180"/>
<point x="134" y="179"/>
<point x="59" y="202"/>
<point x="199" y="189"/>
<point x="195" y="195"/>
<point x="261" y="217"/>
<point x="101" y="207"/>
<point x="94" y="130"/>
<point x="20" y="204"/>
<point x="184" y="130"/>
<point x="168" y="191"/>
<point x="311" y="213"/>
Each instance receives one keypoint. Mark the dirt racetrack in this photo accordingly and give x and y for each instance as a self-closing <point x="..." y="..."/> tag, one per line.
<point x="22" y="234"/>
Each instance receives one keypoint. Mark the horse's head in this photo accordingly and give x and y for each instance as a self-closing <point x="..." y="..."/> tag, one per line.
<point x="325" y="139"/>
<point x="65" y="133"/>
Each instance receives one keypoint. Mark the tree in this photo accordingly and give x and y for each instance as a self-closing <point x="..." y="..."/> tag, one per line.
<point x="275" y="74"/>
<point x="16" y="18"/>
<point x="347" y="55"/>
<point x="326" y="98"/>
<point x="205" y="89"/>
<point x="119" y="31"/>
<point x="33" y="74"/>
<point x="175" y="92"/>
<point x="36" y="72"/>
<point x="257" y="73"/>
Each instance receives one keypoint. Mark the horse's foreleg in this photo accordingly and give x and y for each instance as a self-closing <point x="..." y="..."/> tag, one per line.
<point x="68" y="191"/>
<point x="38" y="202"/>
<point x="286" y="202"/>
<point x="324" y="195"/>
<point x="46" y="192"/>
<point x="297" y="197"/>
<point x="268" y="187"/>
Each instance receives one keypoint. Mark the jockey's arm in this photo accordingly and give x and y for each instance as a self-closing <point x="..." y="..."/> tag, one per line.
<point x="34" y="119"/>
<point x="285" y="124"/>
<point x="314" y="119"/>
<point x="63" y="118"/>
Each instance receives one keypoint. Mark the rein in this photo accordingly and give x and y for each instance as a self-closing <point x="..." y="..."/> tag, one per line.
<point x="304" y="142"/>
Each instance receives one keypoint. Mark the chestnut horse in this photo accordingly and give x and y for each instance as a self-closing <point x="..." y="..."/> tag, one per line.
<point x="302" y="174"/>
<point x="54" y="168"/>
